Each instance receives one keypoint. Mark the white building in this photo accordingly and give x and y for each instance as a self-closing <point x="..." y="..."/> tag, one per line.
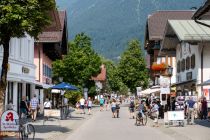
<point x="191" y="44"/>
<point x="21" y="71"/>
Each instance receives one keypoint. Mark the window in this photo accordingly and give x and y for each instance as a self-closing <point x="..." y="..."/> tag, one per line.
<point x="28" y="91"/>
<point x="193" y="61"/>
<point x="178" y="66"/>
<point x="187" y="63"/>
<point x="10" y="92"/>
<point x="19" y="93"/>
<point x="183" y="65"/>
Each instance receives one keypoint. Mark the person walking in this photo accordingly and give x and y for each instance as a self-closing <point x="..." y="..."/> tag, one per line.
<point x="102" y="104"/>
<point x="191" y="111"/>
<point x="118" y="108"/>
<point x="132" y="109"/>
<point x="82" y="105"/>
<point x="34" y="105"/>
<point x="89" y="105"/>
<point x="24" y="109"/>
<point x="155" y="110"/>
<point x="204" y="109"/>
<point x="113" y="108"/>
<point x="47" y="104"/>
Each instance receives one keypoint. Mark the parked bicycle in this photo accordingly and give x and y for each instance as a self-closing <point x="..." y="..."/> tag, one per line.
<point x="27" y="130"/>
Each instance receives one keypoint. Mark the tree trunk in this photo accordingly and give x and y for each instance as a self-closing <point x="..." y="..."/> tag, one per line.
<point x="3" y="80"/>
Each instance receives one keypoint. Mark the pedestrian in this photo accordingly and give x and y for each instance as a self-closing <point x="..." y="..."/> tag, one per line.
<point x="155" y="111"/>
<point x="89" y="105"/>
<point x="113" y="107"/>
<point x="204" y="109"/>
<point x="77" y="106"/>
<point x="34" y="106"/>
<point x="190" y="110"/>
<point x="118" y="108"/>
<point x="24" y="109"/>
<point x="82" y="105"/>
<point x="47" y="104"/>
<point x="10" y="106"/>
<point x="132" y="109"/>
<point x="102" y="104"/>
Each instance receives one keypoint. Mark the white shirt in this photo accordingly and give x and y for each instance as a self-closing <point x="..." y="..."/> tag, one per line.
<point x="82" y="101"/>
<point x="47" y="104"/>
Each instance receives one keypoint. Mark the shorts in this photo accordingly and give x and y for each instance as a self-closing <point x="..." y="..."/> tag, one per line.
<point x="113" y="109"/>
<point x="101" y="104"/>
<point x="89" y="107"/>
<point x="82" y="107"/>
<point x="131" y="110"/>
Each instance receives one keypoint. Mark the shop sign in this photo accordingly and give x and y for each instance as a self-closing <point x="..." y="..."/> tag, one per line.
<point x="10" y="121"/>
<point x="138" y="89"/>
<point x="164" y="85"/>
<point x="175" y="115"/>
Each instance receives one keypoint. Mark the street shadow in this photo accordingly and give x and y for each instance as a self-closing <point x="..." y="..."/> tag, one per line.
<point x="76" y="118"/>
<point x="51" y="128"/>
<point x="205" y="123"/>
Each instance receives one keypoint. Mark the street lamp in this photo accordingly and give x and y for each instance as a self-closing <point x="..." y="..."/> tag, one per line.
<point x="170" y="73"/>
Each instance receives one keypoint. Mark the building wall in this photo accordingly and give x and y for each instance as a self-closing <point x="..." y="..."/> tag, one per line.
<point x="21" y="72"/>
<point x="43" y="59"/>
<point x="183" y="51"/>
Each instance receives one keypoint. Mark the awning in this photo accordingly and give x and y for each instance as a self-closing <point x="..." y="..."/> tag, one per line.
<point x="183" y="30"/>
<point x="185" y="82"/>
<point x="40" y="85"/>
<point x="206" y="83"/>
<point x="149" y="91"/>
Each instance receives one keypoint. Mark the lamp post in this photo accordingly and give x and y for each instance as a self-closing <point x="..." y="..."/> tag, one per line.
<point x="62" y="105"/>
<point x="170" y="73"/>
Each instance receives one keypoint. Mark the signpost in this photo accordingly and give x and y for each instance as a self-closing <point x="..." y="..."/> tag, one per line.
<point x="10" y="121"/>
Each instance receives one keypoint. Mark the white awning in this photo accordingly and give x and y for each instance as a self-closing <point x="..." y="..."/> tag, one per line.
<point x="149" y="91"/>
<point x="189" y="30"/>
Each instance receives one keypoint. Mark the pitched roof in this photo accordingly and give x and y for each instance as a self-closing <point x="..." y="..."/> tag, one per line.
<point x="157" y="22"/>
<point x="203" y="12"/>
<point x="102" y="75"/>
<point x="54" y="32"/>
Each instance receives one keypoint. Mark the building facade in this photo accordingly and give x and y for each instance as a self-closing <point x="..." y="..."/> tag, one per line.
<point x="51" y="45"/>
<point x="21" y="72"/>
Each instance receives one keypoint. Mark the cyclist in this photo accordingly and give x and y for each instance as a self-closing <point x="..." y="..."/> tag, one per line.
<point x="141" y="109"/>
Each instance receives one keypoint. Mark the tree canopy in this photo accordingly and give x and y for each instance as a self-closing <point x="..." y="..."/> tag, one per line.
<point x="132" y="67"/>
<point x="79" y="64"/>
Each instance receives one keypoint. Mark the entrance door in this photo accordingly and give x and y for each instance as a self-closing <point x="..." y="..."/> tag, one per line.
<point x="20" y="94"/>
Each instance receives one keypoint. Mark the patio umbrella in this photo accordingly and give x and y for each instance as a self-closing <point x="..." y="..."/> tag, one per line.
<point x="64" y="86"/>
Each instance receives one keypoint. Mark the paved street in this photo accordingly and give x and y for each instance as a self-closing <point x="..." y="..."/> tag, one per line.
<point x="102" y="126"/>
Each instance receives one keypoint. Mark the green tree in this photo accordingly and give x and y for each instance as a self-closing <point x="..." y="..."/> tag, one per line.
<point x="114" y="81"/>
<point x="132" y="67"/>
<point x="79" y="64"/>
<point x="17" y="18"/>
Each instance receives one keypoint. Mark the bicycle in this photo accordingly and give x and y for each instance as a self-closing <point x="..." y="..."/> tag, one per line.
<point x="141" y="119"/>
<point x="27" y="131"/>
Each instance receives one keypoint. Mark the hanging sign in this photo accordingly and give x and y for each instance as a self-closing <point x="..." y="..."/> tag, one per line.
<point x="10" y="121"/>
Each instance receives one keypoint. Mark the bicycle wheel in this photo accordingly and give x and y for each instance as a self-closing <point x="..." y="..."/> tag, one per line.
<point x="22" y="133"/>
<point x="30" y="132"/>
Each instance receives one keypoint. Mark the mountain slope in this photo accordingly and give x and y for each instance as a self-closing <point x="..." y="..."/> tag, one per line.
<point x="112" y="23"/>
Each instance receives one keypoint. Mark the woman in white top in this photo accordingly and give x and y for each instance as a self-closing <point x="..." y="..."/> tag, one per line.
<point x="47" y="104"/>
<point x="89" y="105"/>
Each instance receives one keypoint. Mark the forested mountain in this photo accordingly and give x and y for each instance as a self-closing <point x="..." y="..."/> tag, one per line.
<point x="111" y="23"/>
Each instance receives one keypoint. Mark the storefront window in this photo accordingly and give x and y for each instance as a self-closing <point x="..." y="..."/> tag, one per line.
<point x="10" y="92"/>
<point x="20" y="94"/>
<point x="28" y="91"/>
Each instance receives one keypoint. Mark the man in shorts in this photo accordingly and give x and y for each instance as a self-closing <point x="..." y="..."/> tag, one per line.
<point x="132" y="109"/>
<point x="102" y="104"/>
<point x="82" y="105"/>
